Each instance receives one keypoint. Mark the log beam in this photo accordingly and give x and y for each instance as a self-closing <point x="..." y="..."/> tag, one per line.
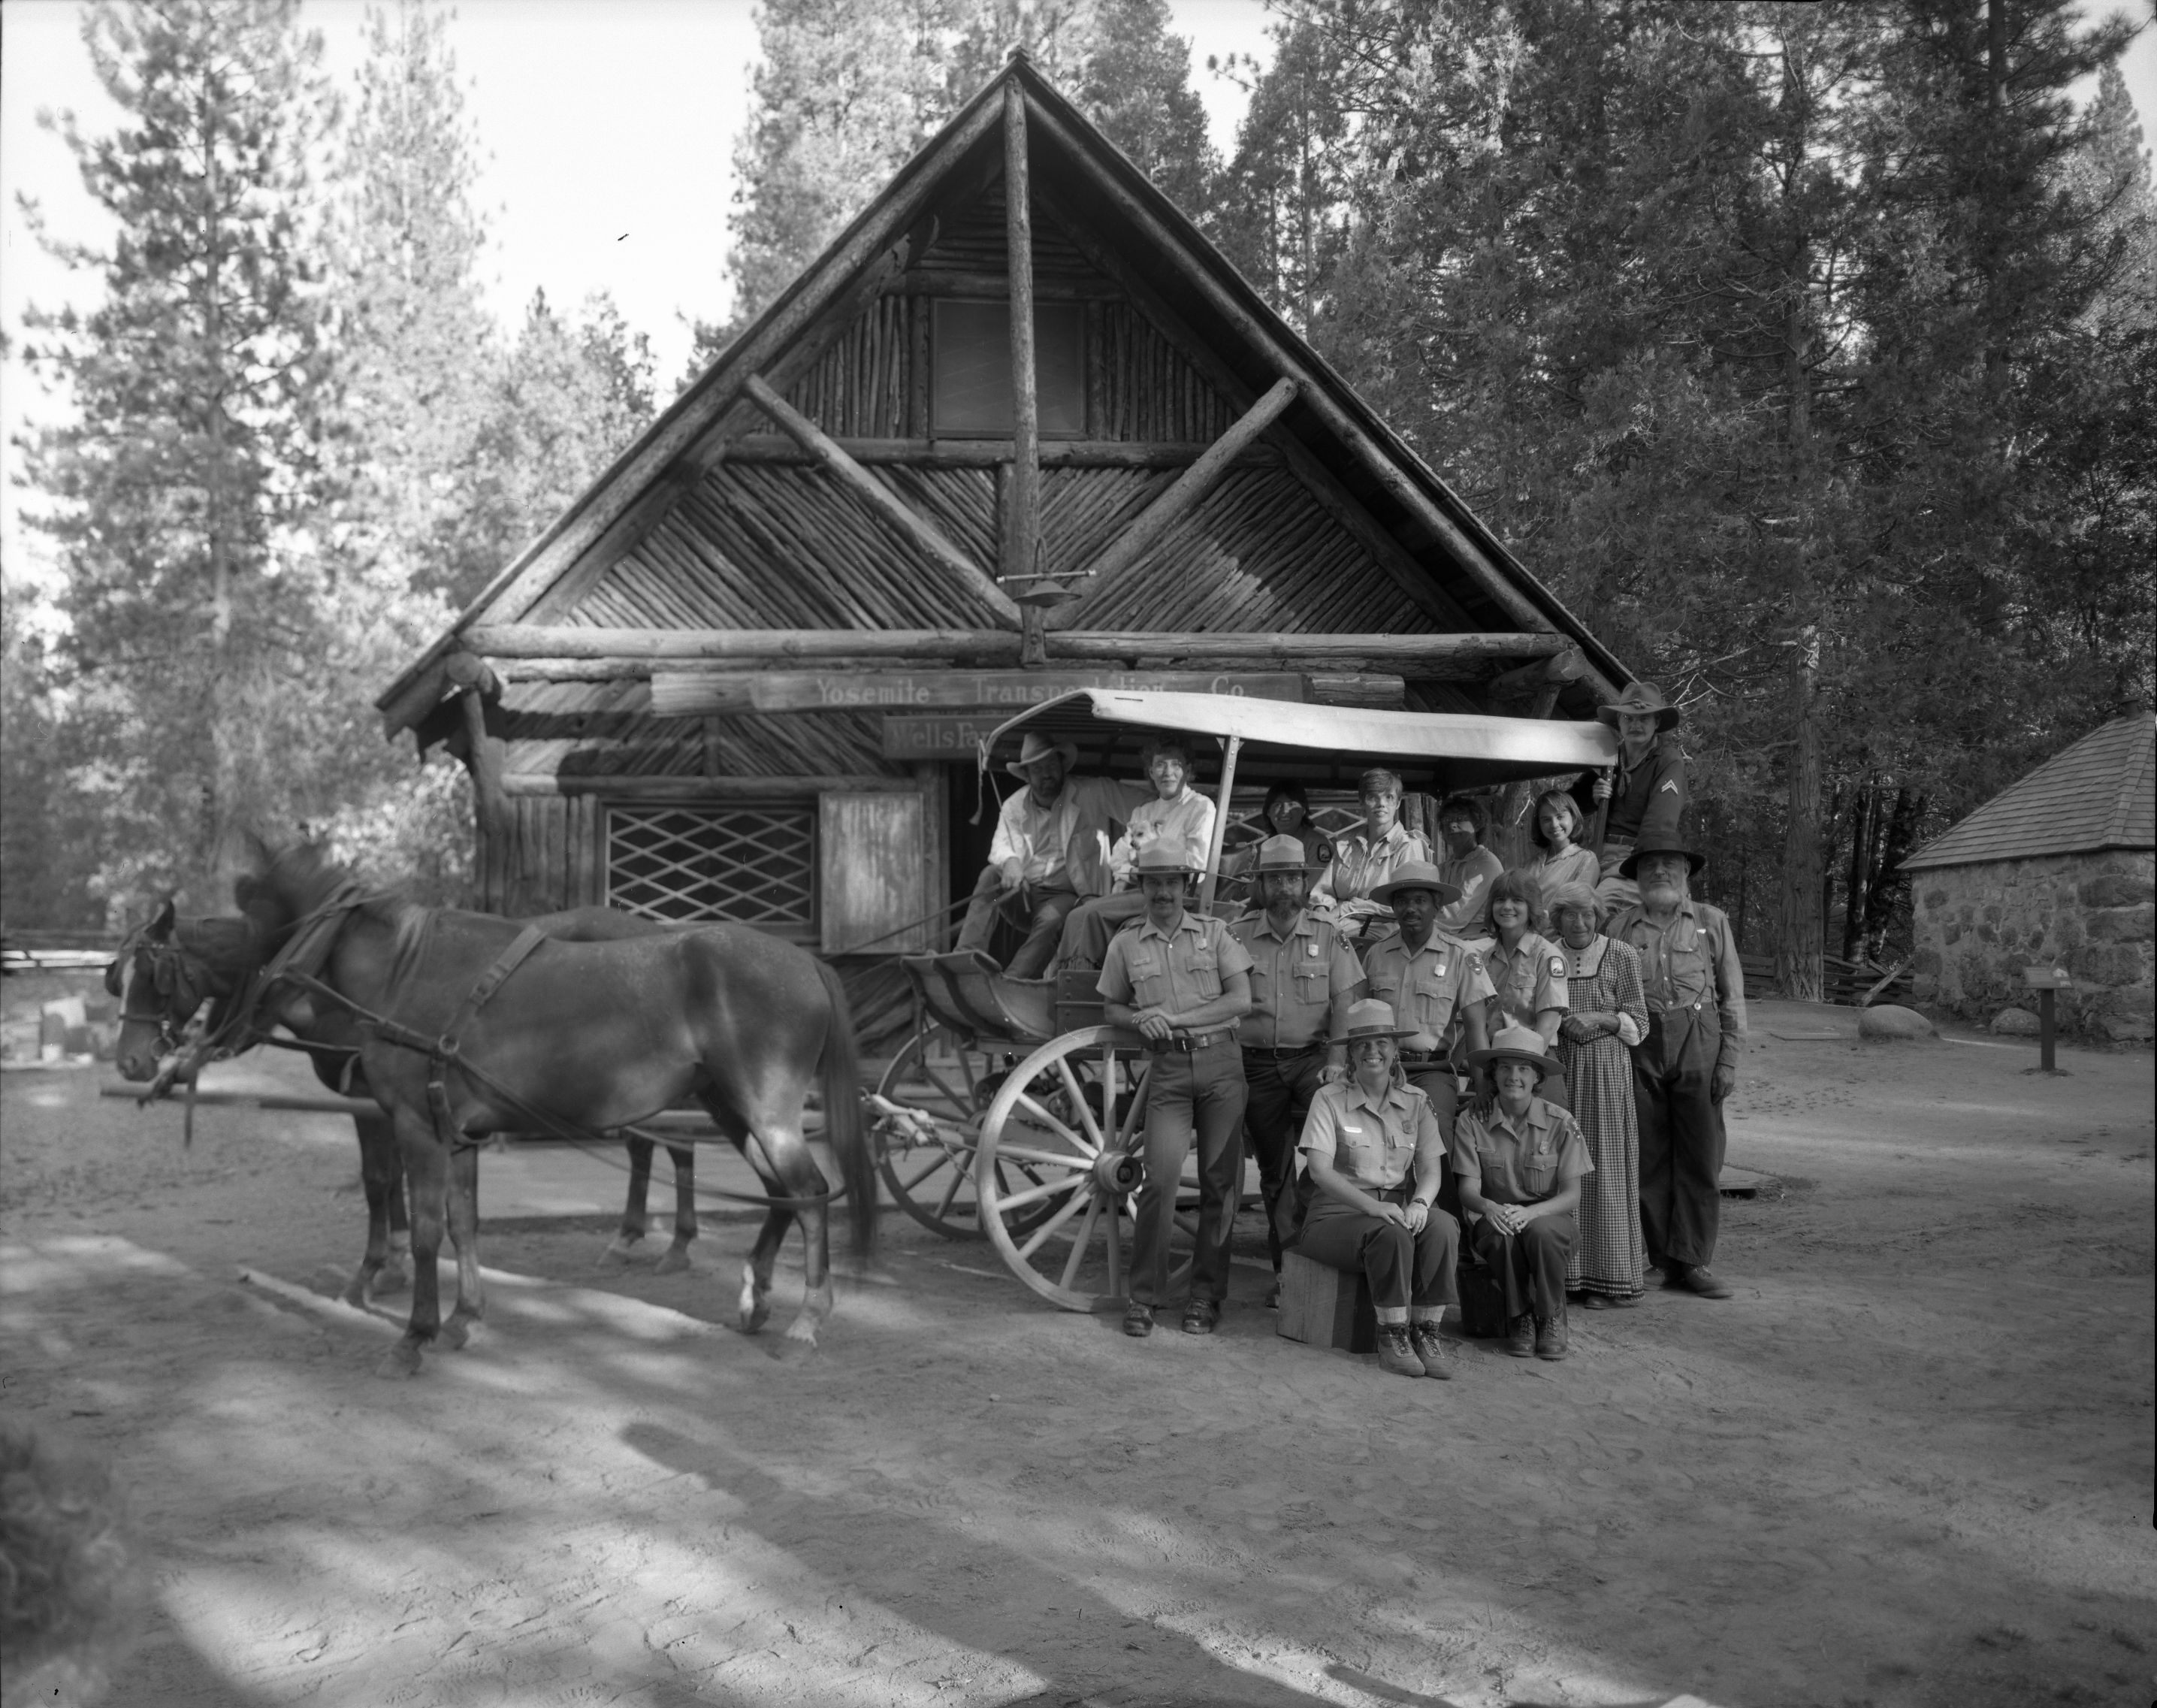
<point x="700" y="788"/>
<point x="881" y="498"/>
<point x="1021" y="537"/>
<point x="1530" y="681"/>
<point x="992" y="453"/>
<point x="952" y="282"/>
<point x="648" y="646"/>
<point x="1193" y="484"/>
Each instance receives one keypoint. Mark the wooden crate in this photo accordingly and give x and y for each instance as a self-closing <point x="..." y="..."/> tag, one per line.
<point x="1322" y="1306"/>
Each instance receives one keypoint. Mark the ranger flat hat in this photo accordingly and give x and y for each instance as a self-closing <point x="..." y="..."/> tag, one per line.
<point x="1641" y="697"/>
<point x="1416" y="875"/>
<point x="1038" y="746"/>
<point x="1629" y="867"/>
<point x="1373" y="1018"/>
<point x="1157" y="858"/>
<point x="1284" y="854"/>
<point x="1515" y="1043"/>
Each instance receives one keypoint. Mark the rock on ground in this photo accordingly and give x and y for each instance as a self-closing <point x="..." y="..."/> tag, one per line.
<point x="1891" y="1020"/>
<point x="2016" y="1023"/>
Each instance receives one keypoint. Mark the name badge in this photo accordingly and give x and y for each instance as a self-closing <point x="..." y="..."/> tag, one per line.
<point x="1312" y="950"/>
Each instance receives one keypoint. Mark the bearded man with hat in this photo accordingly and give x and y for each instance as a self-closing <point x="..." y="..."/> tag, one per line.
<point x="1304" y="975"/>
<point x="1687" y="1065"/>
<point x="1435" y="983"/>
<point x="1051" y="849"/>
<point x="1376" y="1154"/>
<point x="1181" y="981"/>
<point x="1646" y="792"/>
<point x="1520" y="1160"/>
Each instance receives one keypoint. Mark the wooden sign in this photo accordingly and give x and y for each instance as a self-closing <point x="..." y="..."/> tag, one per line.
<point x="700" y="694"/>
<point x="937" y="734"/>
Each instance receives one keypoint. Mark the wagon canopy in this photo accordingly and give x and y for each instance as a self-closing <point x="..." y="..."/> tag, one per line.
<point x="1318" y="744"/>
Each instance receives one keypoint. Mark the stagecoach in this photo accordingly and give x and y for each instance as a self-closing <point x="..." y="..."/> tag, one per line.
<point x="1028" y="1112"/>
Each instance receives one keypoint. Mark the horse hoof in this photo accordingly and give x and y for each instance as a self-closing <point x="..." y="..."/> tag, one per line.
<point x="620" y="1253"/>
<point x="391" y="1277"/>
<point x="400" y="1360"/>
<point x="355" y="1293"/>
<point x="674" y="1260"/>
<point x="456" y="1333"/>
<point x="755" y="1317"/>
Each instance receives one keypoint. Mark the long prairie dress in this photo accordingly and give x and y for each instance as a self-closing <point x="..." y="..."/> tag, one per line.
<point x="1610" y="1254"/>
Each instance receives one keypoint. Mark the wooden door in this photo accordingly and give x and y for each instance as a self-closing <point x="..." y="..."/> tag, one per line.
<point x="873" y="883"/>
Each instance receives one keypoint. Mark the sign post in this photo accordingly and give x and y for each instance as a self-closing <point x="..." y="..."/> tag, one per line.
<point x="2045" y="981"/>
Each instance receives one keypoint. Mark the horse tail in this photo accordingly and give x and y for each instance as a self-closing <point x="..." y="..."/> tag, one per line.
<point x="843" y="1126"/>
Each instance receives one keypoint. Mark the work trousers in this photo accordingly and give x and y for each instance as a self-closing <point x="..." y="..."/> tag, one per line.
<point x="1616" y="894"/>
<point x="1202" y="1090"/>
<point x="1093" y="922"/>
<point x="1280" y="1091"/>
<point x="1531" y="1263"/>
<point x="1036" y="911"/>
<point x="1411" y="1274"/>
<point x="1681" y="1137"/>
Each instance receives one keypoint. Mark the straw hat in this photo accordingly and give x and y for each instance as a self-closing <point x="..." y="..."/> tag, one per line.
<point x="1515" y="1043"/>
<point x="1284" y="854"/>
<point x="1416" y="875"/>
<point x="1373" y="1018"/>
<point x="1629" y="867"/>
<point x="1038" y="746"/>
<point x="1643" y="697"/>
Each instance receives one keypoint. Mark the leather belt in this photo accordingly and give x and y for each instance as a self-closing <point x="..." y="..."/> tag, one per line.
<point x="1190" y="1043"/>
<point x="1281" y="1052"/>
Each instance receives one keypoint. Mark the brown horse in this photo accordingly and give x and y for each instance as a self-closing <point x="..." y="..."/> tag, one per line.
<point x="594" y="1036"/>
<point x="171" y="967"/>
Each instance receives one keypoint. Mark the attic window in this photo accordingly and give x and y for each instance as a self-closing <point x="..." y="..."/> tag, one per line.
<point x="970" y="396"/>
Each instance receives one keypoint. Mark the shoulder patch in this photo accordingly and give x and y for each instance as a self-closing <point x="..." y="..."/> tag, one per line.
<point x="1558" y="966"/>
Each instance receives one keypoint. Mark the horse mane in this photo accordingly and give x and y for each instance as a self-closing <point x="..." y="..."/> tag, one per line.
<point x="229" y="948"/>
<point x="301" y="880"/>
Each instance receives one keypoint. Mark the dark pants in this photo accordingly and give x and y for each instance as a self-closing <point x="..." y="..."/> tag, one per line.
<point x="1280" y="1091"/>
<point x="1681" y="1139"/>
<point x="1411" y="1274"/>
<point x="1532" y="1264"/>
<point x="1204" y="1091"/>
<point x="1037" y="911"/>
<point x="1086" y="933"/>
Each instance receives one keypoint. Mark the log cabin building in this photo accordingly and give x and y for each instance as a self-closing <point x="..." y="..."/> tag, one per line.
<point x="1020" y="428"/>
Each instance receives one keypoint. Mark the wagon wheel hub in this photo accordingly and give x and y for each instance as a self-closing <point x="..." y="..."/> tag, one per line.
<point x="1119" y="1171"/>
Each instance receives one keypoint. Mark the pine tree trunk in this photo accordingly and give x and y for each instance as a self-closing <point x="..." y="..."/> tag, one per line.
<point x="1798" y="950"/>
<point x="1860" y="870"/>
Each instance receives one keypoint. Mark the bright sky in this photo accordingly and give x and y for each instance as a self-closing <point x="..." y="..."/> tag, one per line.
<point x="606" y="130"/>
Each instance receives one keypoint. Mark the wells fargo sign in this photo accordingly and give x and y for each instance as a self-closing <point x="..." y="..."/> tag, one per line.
<point x="700" y="694"/>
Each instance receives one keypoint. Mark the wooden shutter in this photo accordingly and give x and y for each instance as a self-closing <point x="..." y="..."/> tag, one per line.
<point x="874" y="857"/>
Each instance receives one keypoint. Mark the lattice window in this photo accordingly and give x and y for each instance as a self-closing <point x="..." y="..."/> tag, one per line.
<point x="753" y="863"/>
<point x="1337" y="812"/>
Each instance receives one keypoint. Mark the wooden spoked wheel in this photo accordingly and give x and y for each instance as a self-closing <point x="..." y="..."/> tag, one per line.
<point x="951" y="1080"/>
<point x="1059" y="1164"/>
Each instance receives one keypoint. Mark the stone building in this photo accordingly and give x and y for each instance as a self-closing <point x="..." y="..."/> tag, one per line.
<point x="2057" y="870"/>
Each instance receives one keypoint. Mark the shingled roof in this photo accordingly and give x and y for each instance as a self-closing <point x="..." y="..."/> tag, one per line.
<point x="2100" y="793"/>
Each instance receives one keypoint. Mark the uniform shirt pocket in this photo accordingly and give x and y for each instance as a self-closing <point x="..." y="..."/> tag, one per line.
<point x="1148" y="977"/>
<point x="1538" y="1170"/>
<point x="1205" y="970"/>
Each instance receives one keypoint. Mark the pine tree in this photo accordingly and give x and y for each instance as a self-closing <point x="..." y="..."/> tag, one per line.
<point x="183" y="488"/>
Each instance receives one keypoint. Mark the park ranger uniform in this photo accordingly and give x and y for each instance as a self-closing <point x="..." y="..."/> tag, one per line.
<point x="1696" y="992"/>
<point x="1390" y="1147"/>
<point x="1531" y="981"/>
<point x="1297" y="982"/>
<point x="1197" y="1081"/>
<point x="1428" y="989"/>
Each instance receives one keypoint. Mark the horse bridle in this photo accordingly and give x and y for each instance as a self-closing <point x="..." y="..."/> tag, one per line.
<point x="179" y="980"/>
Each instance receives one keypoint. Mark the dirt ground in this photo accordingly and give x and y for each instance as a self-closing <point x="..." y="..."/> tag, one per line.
<point x="1911" y="1463"/>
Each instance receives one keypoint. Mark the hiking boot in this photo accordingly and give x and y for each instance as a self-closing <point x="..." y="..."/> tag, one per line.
<point x="1521" y="1337"/>
<point x="1394" y="1357"/>
<point x="1200" y="1316"/>
<point x="1551" y="1342"/>
<point x="1431" y="1351"/>
<point x="1698" y="1278"/>
<point x="1137" y="1319"/>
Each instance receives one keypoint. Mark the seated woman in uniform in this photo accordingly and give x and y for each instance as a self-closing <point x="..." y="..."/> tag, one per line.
<point x="1377" y="1158"/>
<point x="1520" y="1160"/>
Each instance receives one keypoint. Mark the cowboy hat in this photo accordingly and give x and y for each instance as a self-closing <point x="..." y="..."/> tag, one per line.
<point x="1038" y="746"/>
<point x="1158" y="859"/>
<point x="1416" y="875"/>
<point x="1515" y="1043"/>
<point x="1284" y="854"/>
<point x="1373" y="1018"/>
<point x="1641" y="697"/>
<point x="1629" y="867"/>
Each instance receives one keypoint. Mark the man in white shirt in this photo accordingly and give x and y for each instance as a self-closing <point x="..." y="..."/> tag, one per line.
<point x="1367" y="857"/>
<point x="1051" y="849"/>
<point x="1177" y="817"/>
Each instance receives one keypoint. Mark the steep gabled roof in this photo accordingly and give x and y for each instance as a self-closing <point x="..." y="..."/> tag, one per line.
<point x="2101" y="792"/>
<point x="1174" y="275"/>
